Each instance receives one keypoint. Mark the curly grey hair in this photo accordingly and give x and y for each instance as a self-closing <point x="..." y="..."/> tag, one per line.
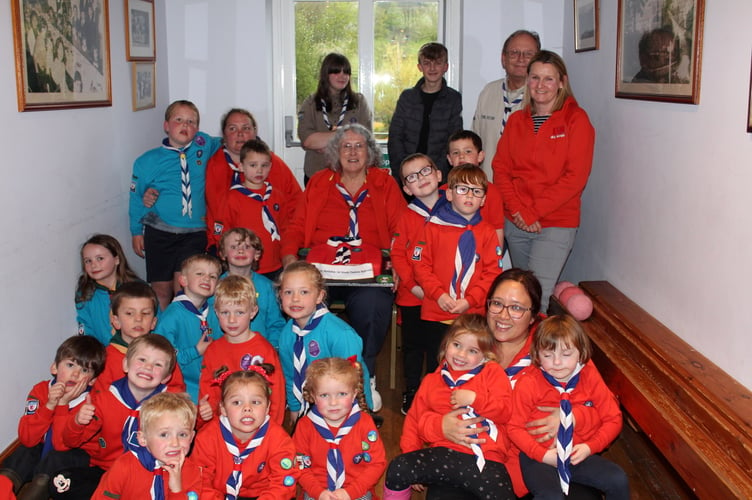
<point x="332" y="149"/>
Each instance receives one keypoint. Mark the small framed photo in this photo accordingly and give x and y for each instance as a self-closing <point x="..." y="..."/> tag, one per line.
<point x="62" y="54"/>
<point x="144" y="82"/>
<point x="139" y="30"/>
<point x="586" y="30"/>
<point x="659" y="50"/>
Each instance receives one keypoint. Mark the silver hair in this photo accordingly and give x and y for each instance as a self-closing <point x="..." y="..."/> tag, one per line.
<point x="332" y="149"/>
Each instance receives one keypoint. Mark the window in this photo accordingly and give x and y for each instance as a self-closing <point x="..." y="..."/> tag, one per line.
<point x="380" y="38"/>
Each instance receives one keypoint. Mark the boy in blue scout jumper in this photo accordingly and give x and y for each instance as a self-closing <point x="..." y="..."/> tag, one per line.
<point x="169" y="223"/>
<point x="190" y="322"/>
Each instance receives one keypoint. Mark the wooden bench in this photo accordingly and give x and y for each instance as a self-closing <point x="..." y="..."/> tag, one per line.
<point x="697" y="416"/>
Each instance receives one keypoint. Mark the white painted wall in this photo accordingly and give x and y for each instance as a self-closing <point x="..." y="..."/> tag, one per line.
<point x="667" y="216"/>
<point x="66" y="176"/>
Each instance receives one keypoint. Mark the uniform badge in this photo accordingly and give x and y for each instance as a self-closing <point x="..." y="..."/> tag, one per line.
<point x="276" y="207"/>
<point x="32" y="405"/>
<point x="133" y="187"/>
<point x="313" y="348"/>
<point x="498" y="250"/>
<point x="417" y="251"/>
<point x="302" y="461"/>
<point x="373" y="436"/>
<point x="199" y="153"/>
<point x="218" y="227"/>
<point x="365" y="446"/>
<point x="261" y="467"/>
<point x="288" y="481"/>
<point x="198" y="162"/>
<point x="249" y="360"/>
<point x="102" y="442"/>
<point x="285" y="463"/>
<point x="200" y="140"/>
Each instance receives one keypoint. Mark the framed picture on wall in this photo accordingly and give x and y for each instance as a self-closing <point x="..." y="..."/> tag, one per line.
<point x="144" y="84"/>
<point x="62" y="53"/>
<point x="659" y="50"/>
<point x="586" y="31"/>
<point x="749" y="105"/>
<point x="139" y="30"/>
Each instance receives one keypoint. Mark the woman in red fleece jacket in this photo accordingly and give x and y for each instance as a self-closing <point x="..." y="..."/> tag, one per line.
<point x="541" y="167"/>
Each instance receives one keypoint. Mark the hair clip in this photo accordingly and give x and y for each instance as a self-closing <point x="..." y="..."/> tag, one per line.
<point x="353" y="360"/>
<point x="221" y="378"/>
<point x="260" y="370"/>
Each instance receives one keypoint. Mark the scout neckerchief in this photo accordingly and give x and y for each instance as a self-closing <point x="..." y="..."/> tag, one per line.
<point x="117" y="342"/>
<point x="122" y="393"/>
<point x="235" y="480"/>
<point x="516" y="368"/>
<point x="335" y="465"/>
<point x="508" y="106"/>
<point x="185" y="176"/>
<point x="202" y="315"/>
<point x="341" y="113"/>
<point x="422" y="209"/>
<point x="493" y="432"/>
<point x="47" y="446"/>
<point x="266" y="215"/>
<point x="464" y="257"/>
<point x="565" y="434"/>
<point x="353" y="232"/>
<point x="147" y="460"/>
<point x="300" y="363"/>
<point x="233" y="167"/>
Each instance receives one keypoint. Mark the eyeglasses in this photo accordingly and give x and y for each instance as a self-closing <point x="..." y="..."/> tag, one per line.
<point x="515" y="311"/>
<point x="477" y="192"/>
<point x="424" y="172"/>
<point x="349" y="146"/>
<point x="523" y="54"/>
<point x="337" y="71"/>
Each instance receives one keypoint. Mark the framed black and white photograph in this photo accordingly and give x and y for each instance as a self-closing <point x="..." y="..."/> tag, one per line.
<point x="659" y="50"/>
<point x="586" y="32"/>
<point x="139" y="30"/>
<point x="62" y="53"/>
<point x="749" y="105"/>
<point x="144" y="83"/>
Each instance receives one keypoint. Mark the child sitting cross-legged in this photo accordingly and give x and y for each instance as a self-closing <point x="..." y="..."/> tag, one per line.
<point x="158" y="468"/>
<point x="239" y="348"/>
<point x="106" y="423"/>
<point x="78" y="361"/>
<point x="338" y="448"/>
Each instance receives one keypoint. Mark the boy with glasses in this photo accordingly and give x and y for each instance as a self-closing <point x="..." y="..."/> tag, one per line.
<point x="457" y="255"/>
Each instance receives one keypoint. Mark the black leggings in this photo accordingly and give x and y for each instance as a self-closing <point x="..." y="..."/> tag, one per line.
<point x="445" y="466"/>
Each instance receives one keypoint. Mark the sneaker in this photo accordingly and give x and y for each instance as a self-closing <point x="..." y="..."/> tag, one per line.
<point x="407" y="401"/>
<point x="375" y="396"/>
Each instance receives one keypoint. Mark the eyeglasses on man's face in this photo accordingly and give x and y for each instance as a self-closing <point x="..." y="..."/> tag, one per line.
<point x="520" y="54"/>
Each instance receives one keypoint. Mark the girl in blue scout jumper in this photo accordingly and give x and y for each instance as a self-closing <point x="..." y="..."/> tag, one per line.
<point x="104" y="268"/>
<point x="311" y="333"/>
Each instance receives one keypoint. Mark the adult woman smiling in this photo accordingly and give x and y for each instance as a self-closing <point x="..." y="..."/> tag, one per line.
<point x="541" y="166"/>
<point x="353" y="199"/>
<point x="222" y="170"/>
<point x="513" y="312"/>
<point x="333" y="105"/>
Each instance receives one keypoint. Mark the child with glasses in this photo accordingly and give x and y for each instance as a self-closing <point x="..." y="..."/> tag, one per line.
<point x="421" y="180"/>
<point x="457" y="255"/>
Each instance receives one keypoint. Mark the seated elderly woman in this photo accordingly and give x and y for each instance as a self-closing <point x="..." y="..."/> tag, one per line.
<point x="354" y="198"/>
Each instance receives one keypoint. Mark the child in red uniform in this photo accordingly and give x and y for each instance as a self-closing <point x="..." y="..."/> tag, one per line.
<point x="420" y="179"/>
<point x="257" y="205"/>
<point x="245" y="454"/>
<point x="457" y="255"/>
<point x="78" y="361"/>
<point x="468" y="377"/>
<point x="239" y="348"/>
<point x="337" y="444"/>
<point x="133" y="315"/>
<point x="566" y="378"/>
<point x="106" y="424"/>
<point x="159" y="467"/>
<point x="465" y="146"/>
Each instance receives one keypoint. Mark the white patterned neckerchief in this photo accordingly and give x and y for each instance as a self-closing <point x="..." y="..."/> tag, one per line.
<point x="341" y="113"/>
<point x="266" y="215"/>
<point x="516" y="368"/>
<point x="202" y="315"/>
<point x="508" y="106"/>
<point x="123" y="394"/>
<point x="154" y="466"/>
<point x="565" y="434"/>
<point x="299" y="360"/>
<point x="235" y="480"/>
<point x="233" y="167"/>
<point x="335" y="467"/>
<point x="493" y="432"/>
<point x="185" y="177"/>
<point x="343" y="253"/>
<point x="464" y="256"/>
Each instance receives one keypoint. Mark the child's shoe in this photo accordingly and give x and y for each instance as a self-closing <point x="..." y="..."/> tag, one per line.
<point x="407" y="401"/>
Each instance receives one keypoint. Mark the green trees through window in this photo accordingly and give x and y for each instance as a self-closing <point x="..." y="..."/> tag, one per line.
<point x="398" y="28"/>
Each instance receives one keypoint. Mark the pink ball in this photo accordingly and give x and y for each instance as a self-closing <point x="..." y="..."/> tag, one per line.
<point x="565" y="295"/>
<point x="561" y="286"/>
<point x="580" y="306"/>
